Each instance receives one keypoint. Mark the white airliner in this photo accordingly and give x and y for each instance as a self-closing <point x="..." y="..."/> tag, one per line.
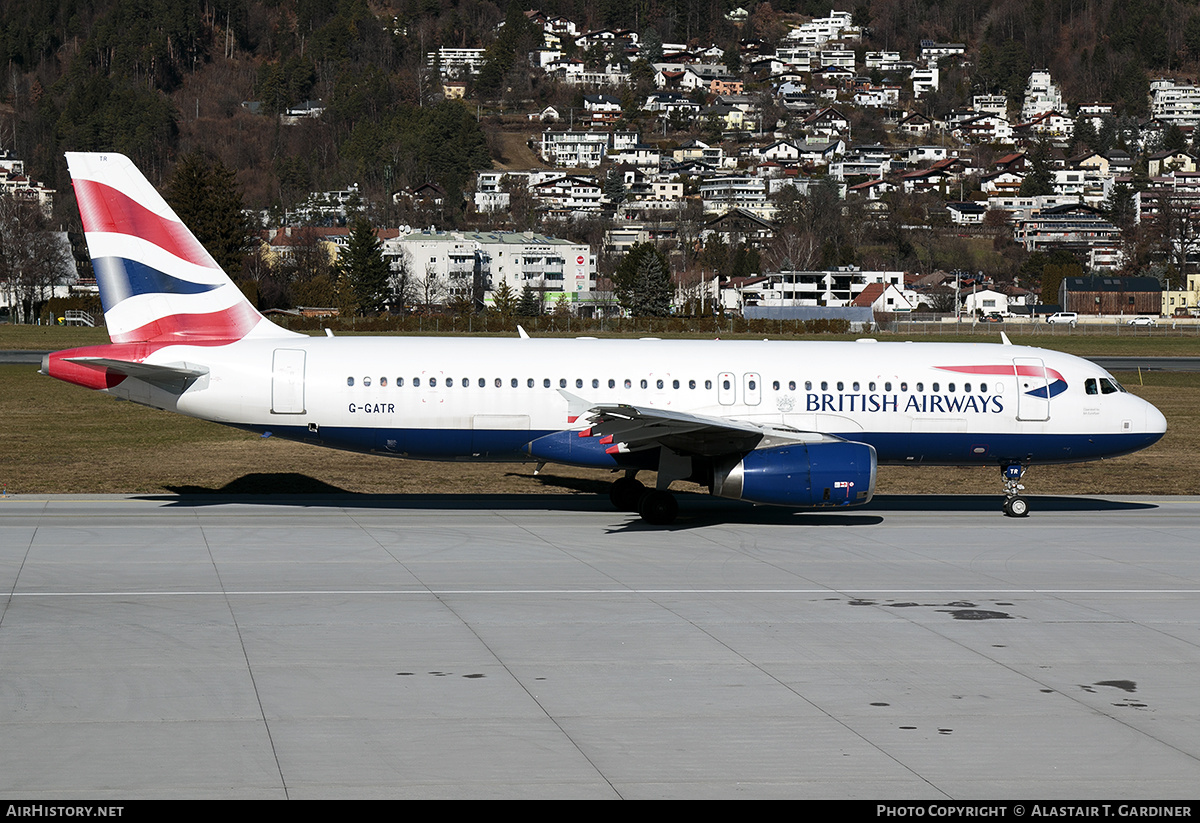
<point x="801" y="424"/>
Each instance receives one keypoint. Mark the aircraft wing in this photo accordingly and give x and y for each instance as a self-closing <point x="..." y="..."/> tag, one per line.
<point x="635" y="428"/>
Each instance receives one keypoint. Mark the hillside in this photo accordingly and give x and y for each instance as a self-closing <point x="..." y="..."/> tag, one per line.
<point x="158" y="80"/>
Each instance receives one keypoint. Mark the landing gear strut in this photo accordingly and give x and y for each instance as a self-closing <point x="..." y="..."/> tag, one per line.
<point x="1014" y="504"/>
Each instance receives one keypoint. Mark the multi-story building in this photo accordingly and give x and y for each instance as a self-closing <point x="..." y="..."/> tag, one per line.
<point x="882" y="60"/>
<point x="456" y="63"/>
<point x="473" y="264"/>
<point x="1073" y="227"/>
<point x="1177" y="103"/>
<point x="578" y="149"/>
<point x="1042" y="94"/>
<point x="15" y="184"/>
<point x="724" y="192"/>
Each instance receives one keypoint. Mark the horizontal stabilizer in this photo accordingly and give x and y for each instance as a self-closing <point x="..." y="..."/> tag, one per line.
<point x="173" y="377"/>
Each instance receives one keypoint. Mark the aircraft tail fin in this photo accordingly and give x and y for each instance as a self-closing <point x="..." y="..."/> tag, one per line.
<point x="157" y="282"/>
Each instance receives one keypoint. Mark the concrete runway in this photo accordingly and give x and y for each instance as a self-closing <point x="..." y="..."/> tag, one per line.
<point x="544" y="646"/>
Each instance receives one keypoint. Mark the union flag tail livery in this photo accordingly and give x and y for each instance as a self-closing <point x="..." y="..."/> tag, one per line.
<point x="798" y="424"/>
<point x="157" y="283"/>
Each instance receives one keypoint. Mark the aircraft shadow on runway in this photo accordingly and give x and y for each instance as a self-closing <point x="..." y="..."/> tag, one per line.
<point x="695" y="510"/>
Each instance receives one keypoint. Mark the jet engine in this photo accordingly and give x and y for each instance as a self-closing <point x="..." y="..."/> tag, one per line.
<point x="821" y="474"/>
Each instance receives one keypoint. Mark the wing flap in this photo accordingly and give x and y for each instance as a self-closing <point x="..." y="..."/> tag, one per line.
<point x="636" y="428"/>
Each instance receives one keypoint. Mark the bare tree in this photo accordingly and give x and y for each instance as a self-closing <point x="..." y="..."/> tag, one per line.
<point x="33" y="259"/>
<point x="432" y="288"/>
<point x="401" y="280"/>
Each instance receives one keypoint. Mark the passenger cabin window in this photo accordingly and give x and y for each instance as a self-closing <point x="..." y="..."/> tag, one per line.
<point x="349" y="381"/>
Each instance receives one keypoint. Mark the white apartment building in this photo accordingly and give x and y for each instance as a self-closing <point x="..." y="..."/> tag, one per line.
<point x="931" y="52"/>
<point x="456" y="63"/>
<point x="836" y="58"/>
<point x="990" y="104"/>
<point x="1042" y="94"/>
<point x="796" y="57"/>
<point x="834" y="287"/>
<point x="464" y="261"/>
<point x="575" y="149"/>
<point x="924" y="80"/>
<point x="882" y="60"/>
<point x="1177" y="103"/>
<point x="744" y="191"/>
<point x="821" y="30"/>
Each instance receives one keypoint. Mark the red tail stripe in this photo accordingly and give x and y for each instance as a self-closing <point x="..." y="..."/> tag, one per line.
<point x="103" y="208"/>
<point x="213" y="329"/>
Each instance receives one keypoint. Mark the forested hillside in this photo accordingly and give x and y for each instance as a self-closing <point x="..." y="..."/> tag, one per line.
<point x="158" y="80"/>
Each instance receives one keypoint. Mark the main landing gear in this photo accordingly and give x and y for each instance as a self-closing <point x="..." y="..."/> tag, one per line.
<point x="657" y="507"/>
<point x="1014" y="505"/>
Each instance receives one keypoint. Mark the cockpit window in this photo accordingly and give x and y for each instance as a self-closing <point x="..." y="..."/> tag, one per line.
<point x="1110" y="386"/>
<point x="1090" y="386"/>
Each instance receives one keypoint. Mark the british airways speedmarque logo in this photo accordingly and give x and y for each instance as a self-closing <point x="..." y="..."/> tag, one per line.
<point x="1055" y="384"/>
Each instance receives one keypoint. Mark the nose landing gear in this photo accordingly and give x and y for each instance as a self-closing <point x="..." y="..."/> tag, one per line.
<point x="1014" y="505"/>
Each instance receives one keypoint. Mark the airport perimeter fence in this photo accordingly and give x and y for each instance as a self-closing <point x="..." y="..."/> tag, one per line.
<point x="567" y="325"/>
<point x="735" y="326"/>
<point x="1087" y="327"/>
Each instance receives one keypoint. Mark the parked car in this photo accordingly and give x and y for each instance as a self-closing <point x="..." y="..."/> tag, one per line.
<point x="1068" y="318"/>
<point x="1140" y="320"/>
<point x="993" y="317"/>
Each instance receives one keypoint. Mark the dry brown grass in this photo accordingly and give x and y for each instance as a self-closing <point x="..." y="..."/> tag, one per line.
<point x="63" y="439"/>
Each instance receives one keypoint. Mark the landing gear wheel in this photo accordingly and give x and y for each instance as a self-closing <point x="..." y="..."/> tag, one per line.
<point x="626" y="493"/>
<point x="1016" y="507"/>
<point x="658" y="508"/>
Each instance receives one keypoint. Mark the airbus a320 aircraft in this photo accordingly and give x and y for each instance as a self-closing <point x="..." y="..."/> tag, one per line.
<point x="801" y="424"/>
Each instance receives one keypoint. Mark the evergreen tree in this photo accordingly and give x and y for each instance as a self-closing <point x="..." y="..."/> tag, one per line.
<point x="1174" y="139"/>
<point x="504" y="302"/>
<point x="206" y="197"/>
<point x="1040" y="180"/>
<point x="642" y="282"/>
<point x="362" y="270"/>
<point x="614" y="186"/>
<point x="530" y="304"/>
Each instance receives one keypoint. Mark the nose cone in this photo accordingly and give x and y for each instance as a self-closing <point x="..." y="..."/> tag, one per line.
<point x="1156" y="423"/>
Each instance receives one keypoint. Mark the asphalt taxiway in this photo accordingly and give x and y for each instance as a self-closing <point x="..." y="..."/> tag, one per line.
<point x="545" y="646"/>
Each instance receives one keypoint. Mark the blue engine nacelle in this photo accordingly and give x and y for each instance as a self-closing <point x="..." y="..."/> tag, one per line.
<point x="821" y="474"/>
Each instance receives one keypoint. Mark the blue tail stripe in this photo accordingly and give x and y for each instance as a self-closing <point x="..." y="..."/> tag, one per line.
<point x="120" y="278"/>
